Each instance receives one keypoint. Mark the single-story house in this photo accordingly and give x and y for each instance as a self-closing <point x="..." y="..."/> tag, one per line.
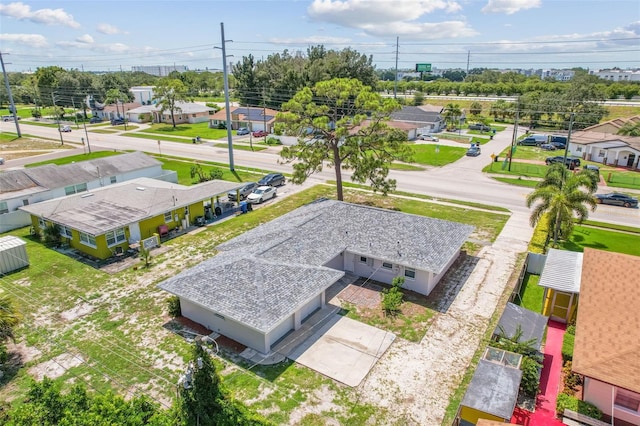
<point x="426" y="118"/>
<point x="605" y="148"/>
<point x="286" y="265"/>
<point x="613" y="126"/>
<point x="28" y="186"/>
<point x="189" y="112"/>
<point x="253" y="118"/>
<point x="607" y="341"/>
<point x="491" y="395"/>
<point x="561" y="279"/>
<point x="102" y="221"/>
<point x="516" y="318"/>
<point x="111" y="111"/>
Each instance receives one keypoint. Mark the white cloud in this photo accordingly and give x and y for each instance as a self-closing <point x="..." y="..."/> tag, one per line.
<point x="32" y="40"/>
<point x="390" y="18"/>
<point x="86" y="38"/>
<point x="311" y="40"/>
<point x="109" y="29"/>
<point x="510" y="6"/>
<point x="94" y="47"/>
<point x="23" y="12"/>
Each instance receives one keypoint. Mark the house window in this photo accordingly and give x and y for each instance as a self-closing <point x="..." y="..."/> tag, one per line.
<point x="87" y="240"/>
<point x="410" y="273"/>
<point x="113" y="179"/>
<point x="601" y="153"/>
<point x="627" y="401"/>
<point x="168" y="217"/>
<point x="74" y="189"/>
<point x="25" y="202"/>
<point x="115" y="237"/>
<point x="363" y="259"/>
<point x="4" y="208"/>
<point x="65" y="231"/>
<point x="579" y="149"/>
<point x="387" y="265"/>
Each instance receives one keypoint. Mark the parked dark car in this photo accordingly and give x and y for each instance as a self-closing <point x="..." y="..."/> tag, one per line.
<point x="95" y="120"/>
<point x="272" y="179"/>
<point x="244" y="191"/>
<point x="617" y="199"/>
<point x="529" y="141"/>
<point x="117" y="121"/>
<point x="474" y="151"/>
<point x="242" y="131"/>
<point x="479" y="126"/>
<point x="559" y="159"/>
<point x="547" y="147"/>
<point x="558" y="145"/>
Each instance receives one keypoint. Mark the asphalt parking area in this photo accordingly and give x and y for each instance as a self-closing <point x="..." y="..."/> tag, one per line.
<point x="343" y="349"/>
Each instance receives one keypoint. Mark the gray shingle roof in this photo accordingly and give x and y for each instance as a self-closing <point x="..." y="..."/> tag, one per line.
<point x="562" y="271"/>
<point x="416" y="115"/>
<point x="531" y="323"/>
<point x="493" y="389"/>
<point x="256" y="292"/>
<point x="51" y="176"/>
<point x="316" y="233"/>
<point x="118" y="205"/>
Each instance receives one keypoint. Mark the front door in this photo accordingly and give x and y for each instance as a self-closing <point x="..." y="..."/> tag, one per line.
<point x="631" y="160"/>
<point x="561" y="306"/>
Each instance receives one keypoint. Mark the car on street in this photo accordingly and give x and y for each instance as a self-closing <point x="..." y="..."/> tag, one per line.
<point x="479" y="126"/>
<point x="1" y="161"/>
<point x="259" y="134"/>
<point x="6" y="118"/>
<point x="117" y="121"/>
<point x="474" y="151"/>
<point x="272" y="179"/>
<point x="428" y="138"/>
<point x="617" y="199"/>
<point x="559" y="159"/>
<point x="65" y="128"/>
<point x="242" y="131"/>
<point x="244" y="191"/>
<point x="260" y="194"/>
<point x="547" y="147"/>
<point x="95" y="120"/>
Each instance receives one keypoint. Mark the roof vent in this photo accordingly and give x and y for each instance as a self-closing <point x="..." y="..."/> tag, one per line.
<point x="87" y="195"/>
<point x="140" y="188"/>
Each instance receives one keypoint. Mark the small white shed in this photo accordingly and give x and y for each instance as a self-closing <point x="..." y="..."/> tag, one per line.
<point x="13" y="254"/>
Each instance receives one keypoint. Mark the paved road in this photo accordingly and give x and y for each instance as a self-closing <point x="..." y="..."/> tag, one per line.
<point x="462" y="180"/>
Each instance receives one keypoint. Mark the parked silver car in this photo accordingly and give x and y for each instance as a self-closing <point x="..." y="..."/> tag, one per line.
<point x="244" y="191"/>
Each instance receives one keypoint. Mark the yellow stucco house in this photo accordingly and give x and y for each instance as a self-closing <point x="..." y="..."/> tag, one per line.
<point x="102" y="222"/>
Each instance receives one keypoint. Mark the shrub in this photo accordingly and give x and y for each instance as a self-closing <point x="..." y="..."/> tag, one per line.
<point x="273" y="141"/>
<point x="571" y="330"/>
<point x="530" y="376"/>
<point x="571" y="380"/>
<point x="565" y="401"/>
<point x="567" y="347"/>
<point x="174" y="306"/>
<point x="392" y="297"/>
<point x="52" y="236"/>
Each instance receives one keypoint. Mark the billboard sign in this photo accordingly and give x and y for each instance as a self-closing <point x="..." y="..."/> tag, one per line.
<point x="423" y="67"/>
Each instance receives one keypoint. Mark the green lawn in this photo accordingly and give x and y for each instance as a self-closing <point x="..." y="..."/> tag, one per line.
<point x="76" y="158"/>
<point x="426" y="154"/>
<point x="612" y="226"/>
<point x="404" y="166"/>
<point x="602" y="239"/>
<point x="517" y="169"/>
<point x="8" y="136"/>
<point x="519" y="182"/>
<point x="103" y="131"/>
<point x="530" y="293"/>
<point x="155" y="137"/>
<point x="530" y="153"/>
<point x="190" y="130"/>
<point x="183" y="169"/>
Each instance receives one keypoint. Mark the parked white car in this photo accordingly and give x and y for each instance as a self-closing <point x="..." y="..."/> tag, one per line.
<point x="65" y="128"/>
<point x="262" y="193"/>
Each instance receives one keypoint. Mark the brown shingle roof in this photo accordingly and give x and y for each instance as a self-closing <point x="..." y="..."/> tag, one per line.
<point x="616" y="122"/>
<point x="607" y="346"/>
<point x="588" y="137"/>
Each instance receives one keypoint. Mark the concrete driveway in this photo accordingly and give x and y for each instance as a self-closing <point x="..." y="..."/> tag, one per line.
<point x="343" y="349"/>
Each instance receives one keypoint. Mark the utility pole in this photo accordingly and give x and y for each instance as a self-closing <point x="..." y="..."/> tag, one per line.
<point x="11" y="103"/>
<point x="515" y="133"/>
<point x="395" y="84"/>
<point x="566" y="148"/>
<point x="53" y="98"/>
<point x="468" y="58"/>
<point x="226" y="96"/>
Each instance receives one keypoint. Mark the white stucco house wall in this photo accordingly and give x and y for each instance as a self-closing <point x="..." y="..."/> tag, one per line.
<point x="189" y="112"/>
<point x="265" y="282"/>
<point x="143" y="94"/>
<point x="615" y="150"/>
<point x="32" y="185"/>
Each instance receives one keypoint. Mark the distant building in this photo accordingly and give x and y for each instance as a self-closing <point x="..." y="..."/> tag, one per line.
<point x="618" y="75"/>
<point x="160" y="70"/>
<point x="143" y="94"/>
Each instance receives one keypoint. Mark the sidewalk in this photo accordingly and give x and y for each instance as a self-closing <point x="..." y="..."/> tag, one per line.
<point x="545" y="414"/>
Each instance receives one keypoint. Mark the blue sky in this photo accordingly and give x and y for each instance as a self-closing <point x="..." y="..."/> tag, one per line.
<point x="106" y="35"/>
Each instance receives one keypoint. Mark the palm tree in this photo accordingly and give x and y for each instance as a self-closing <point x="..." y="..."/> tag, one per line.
<point x="563" y="194"/>
<point x="452" y="113"/>
<point x="9" y="318"/>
